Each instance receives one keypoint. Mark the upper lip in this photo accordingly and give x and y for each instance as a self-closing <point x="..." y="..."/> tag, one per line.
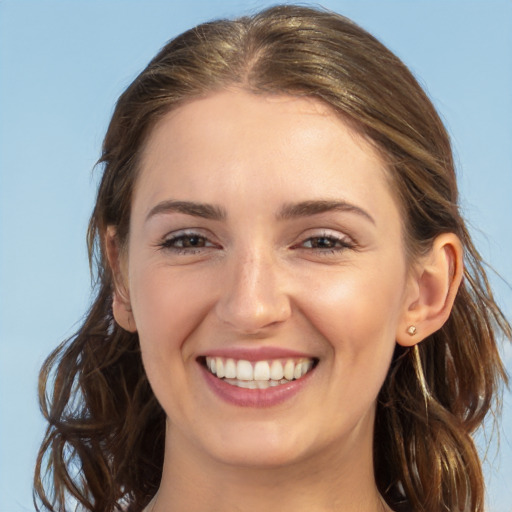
<point x="256" y="353"/>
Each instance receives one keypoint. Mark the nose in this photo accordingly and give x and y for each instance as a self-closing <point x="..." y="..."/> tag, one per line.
<point x="253" y="294"/>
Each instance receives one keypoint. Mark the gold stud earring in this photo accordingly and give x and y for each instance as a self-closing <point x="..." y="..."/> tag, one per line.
<point x="411" y="330"/>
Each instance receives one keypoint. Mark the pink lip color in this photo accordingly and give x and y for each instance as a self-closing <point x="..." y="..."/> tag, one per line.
<point x="256" y="354"/>
<point x="243" y="397"/>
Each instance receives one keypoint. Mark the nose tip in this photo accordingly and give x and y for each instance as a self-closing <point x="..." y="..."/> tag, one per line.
<point x="254" y="298"/>
<point x="254" y="319"/>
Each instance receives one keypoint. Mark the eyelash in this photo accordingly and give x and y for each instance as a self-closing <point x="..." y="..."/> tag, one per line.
<point x="335" y="244"/>
<point x="168" y="243"/>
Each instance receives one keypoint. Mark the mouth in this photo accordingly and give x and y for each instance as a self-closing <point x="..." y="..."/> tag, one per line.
<point x="261" y="374"/>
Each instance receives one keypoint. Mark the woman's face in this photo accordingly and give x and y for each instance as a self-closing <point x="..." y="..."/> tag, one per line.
<point x="265" y="246"/>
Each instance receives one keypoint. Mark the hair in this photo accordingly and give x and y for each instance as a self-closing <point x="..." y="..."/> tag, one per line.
<point x="105" y="440"/>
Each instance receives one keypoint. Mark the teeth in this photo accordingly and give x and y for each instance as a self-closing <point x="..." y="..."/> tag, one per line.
<point x="262" y="371"/>
<point x="230" y="369"/>
<point x="276" y="370"/>
<point x="256" y="384"/>
<point x="244" y="370"/>
<point x="260" y="374"/>
<point x="248" y="384"/>
<point x="220" y="367"/>
<point x="289" y="368"/>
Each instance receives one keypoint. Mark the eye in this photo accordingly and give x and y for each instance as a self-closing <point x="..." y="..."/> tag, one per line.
<point x="186" y="243"/>
<point x="327" y="242"/>
<point x="324" y="245"/>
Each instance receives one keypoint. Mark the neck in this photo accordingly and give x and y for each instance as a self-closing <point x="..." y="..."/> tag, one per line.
<point x="331" y="481"/>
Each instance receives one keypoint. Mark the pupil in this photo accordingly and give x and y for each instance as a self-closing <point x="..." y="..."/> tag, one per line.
<point x="192" y="241"/>
<point x="323" y="242"/>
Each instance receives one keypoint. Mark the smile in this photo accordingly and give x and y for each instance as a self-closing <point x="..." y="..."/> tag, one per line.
<point x="258" y="374"/>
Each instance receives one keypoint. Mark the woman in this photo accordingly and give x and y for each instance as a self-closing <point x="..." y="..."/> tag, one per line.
<point x="290" y="310"/>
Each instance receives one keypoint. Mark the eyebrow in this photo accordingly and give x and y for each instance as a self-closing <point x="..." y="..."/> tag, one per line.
<point x="206" y="211"/>
<point x="288" y="211"/>
<point x="308" y="208"/>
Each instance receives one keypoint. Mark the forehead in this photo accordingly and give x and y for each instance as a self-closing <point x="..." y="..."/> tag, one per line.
<point x="235" y="143"/>
<point x="223" y="112"/>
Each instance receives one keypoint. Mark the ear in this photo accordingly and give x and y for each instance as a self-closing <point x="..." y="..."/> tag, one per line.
<point x="431" y="291"/>
<point x="121" y="306"/>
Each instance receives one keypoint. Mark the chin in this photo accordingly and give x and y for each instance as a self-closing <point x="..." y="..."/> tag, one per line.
<point x="258" y="456"/>
<point x="258" y="447"/>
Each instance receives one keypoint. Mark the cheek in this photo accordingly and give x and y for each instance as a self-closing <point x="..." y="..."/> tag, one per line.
<point x="357" y="312"/>
<point x="167" y="307"/>
<point x="357" y="316"/>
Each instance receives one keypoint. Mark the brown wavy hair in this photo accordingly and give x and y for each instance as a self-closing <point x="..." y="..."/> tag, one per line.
<point x="105" y="439"/>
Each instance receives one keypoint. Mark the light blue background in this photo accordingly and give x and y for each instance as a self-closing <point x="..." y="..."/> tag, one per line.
<point x="62" y="66"/>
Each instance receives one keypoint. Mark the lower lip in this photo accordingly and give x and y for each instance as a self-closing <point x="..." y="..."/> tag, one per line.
<point x="243" y="397"/>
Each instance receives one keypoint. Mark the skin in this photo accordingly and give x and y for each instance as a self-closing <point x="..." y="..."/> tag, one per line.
<point x="334" y="285"/>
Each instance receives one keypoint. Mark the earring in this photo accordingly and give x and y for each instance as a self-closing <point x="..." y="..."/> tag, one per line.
<point x="411" y="330"/>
